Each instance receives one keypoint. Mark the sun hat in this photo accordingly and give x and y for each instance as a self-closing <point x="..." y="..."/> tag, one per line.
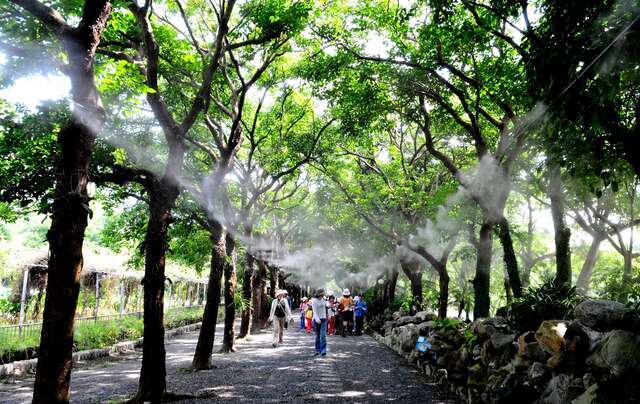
<point x="304" y="299"/>
<point x="357" y="298"/>
<point x="281" y="292"/>
<point x="346" y="292"/>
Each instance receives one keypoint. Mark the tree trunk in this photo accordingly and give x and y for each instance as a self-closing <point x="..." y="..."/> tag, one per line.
<point x="259" y="299"/>
<point x="69" y="217"/>
<point x="482" y="280"/>
<point x="510" y="261"/>
<point x="562" y="232"/>
<point x="412" y="270"/>
<point x="393" y="281"/>
<point x="389" y="292"/>
<point x="508" y="291"/>
<point x="162" y="196"/>
<point x="443" y="296"/>
<point x="589" y="263"/>
<point x="202" y="356"/>
<point x="229" y="337"/>
<point x="273" y="279"/>
<point x="626" y="274"/>
<point x="247" y="289"/>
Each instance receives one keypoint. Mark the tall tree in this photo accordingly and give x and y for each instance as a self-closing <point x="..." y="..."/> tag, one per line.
<point x="70" y="206"/>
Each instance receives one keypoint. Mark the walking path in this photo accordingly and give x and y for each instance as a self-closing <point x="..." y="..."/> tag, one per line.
<point x="356" y="369"/>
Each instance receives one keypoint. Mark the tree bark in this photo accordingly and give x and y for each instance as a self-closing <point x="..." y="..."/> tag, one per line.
<point x="393" y="281"/>
<point x="259" y="298"/>
<point x="162" y="196"/>
<point x="562" y="232"/>
<point x="273" y="280"/>
<point x="229" y="336"/>
<point x="204" y="348"/>
<point x="247" y="293"/>
<point x="510" y="261"/>
<point x="70" y="212"/>
<point x="589" y="263"/>
<point x="390" y="288"/>
<point x="482" y="280"/>
<point x="443" y="296"/>
<point x="412" y="270"/>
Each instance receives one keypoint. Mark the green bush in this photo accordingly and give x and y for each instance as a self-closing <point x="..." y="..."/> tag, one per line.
<point x="445" y="324"/>
<point x="402" y="302"/>
<point x="547" y="302"/>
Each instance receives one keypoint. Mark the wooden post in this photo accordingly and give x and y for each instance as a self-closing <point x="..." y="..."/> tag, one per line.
<point x="95" y="311"/>
<point x="23" y="300"/>
<point x="139" y="300"/>
<point x="188" y="300"/>
<point x="121" y="297"/>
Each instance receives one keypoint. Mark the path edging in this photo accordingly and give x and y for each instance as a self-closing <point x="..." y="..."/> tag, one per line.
<point x="19" y="368"/>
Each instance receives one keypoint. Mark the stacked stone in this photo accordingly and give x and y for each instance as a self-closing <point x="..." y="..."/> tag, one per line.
<point x="593" y="358"/>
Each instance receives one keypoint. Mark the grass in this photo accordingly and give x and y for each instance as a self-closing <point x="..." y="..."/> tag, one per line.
<point x="92" y="335"/>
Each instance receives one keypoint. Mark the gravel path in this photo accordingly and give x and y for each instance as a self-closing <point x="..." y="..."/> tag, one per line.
<point x="356" y="369"/>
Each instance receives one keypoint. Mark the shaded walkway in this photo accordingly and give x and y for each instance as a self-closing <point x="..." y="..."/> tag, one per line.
<point x="356" y="369"/>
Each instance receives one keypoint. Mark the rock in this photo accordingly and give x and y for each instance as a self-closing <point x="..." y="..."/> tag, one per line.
<point x="580" y="338"/>
<point x="618" y="352"/>
<point x="588" y="380"/>
<point x="558" y="362"/>
<point x="550" y="335"/>
<point x="529" y="348"/>
<point x="537" y="373"/>
<point x="389" y="324"/>
<point x="501" y="341"/>
<point x="407" y="337"/>
<point x="477" y="375"/>
<point x="423" y="316"/>
<point x="601" y="315"/>
<point x="485" y="331"/>
<point x="425" y="328"/>
<point x="590" y="396"/>
<point x="558" y="391"/>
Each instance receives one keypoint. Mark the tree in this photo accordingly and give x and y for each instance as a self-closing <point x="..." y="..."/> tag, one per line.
<point x="70" y="205"/>
<point x="445" y="68"/>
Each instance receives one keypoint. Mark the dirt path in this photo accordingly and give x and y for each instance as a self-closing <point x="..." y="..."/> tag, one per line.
<point x="356" y="369"/>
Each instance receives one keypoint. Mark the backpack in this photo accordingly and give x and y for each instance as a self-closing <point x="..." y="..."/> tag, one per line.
<point x="279" y="310"/>
<point x="309" y="313"/>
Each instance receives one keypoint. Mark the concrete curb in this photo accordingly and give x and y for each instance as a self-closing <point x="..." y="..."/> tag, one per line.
<point x="19" y="368"/>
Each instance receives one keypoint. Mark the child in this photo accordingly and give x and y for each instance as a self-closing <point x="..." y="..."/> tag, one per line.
<point x="331" y="314"/>
<point x="303" y="307"/>
<point x="308" y="316"/>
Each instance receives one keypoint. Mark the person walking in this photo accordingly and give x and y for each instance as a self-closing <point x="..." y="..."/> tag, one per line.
<point x="303" y="308"/>
<point x="347" y="312"/>
<point x="360" y="312"/>
<point x="280" y="315"/>
<point x="319" y="307"/>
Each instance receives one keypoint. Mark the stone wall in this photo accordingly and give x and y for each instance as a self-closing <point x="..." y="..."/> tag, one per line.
<point x="594" y="358"/>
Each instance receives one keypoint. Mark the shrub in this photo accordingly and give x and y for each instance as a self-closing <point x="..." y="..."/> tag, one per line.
<point x="402" y="302"/>
<point x="546" y="302"/>
<point x="445" y="324"/>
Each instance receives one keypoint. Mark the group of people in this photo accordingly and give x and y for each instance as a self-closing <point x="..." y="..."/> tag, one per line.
<point x="326" y="315"/>
<point x="344" y="315"/>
